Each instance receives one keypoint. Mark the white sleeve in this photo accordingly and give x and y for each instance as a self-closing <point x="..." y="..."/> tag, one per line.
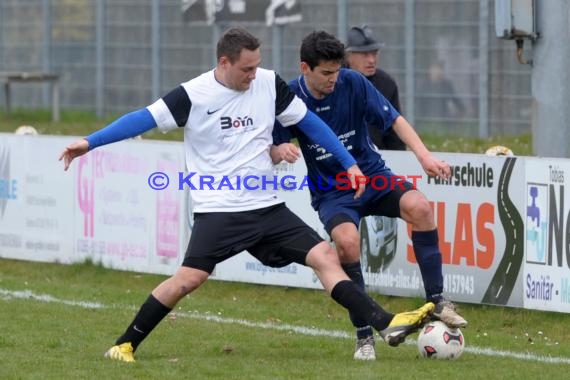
<point x="295" y="111"/>
<point x="162" y="116"/>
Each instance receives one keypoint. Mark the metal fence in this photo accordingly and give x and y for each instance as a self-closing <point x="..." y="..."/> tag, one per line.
<point x="117" y="55"/>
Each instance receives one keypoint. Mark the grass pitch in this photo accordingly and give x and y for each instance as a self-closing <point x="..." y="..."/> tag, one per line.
<point x="80" y="123"/>
<point x="57" y="321"/>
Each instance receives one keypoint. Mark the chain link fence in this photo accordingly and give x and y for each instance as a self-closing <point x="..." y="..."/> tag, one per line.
<point x="455" y="76"/>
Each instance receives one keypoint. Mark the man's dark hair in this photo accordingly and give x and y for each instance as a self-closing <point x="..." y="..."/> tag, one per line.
<point x="321" y="46"/>
<point x="233" y="41"/>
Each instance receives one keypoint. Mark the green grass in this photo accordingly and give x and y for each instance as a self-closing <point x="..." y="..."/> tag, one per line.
<point x="53" y="340"/>
<point x="72" y="123"/>
<point x="521" y="145"/>
<point x="78" y="123"/>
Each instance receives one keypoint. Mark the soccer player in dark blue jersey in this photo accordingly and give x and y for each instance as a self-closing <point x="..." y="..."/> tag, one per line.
<point x="347" y="102"/>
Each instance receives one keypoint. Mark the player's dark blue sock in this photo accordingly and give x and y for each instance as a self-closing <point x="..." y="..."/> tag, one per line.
<point x="428" y="256"/>
<point x="347" y="294"/>
<point x="354" y="271"/>
<point x="150" y="314"/>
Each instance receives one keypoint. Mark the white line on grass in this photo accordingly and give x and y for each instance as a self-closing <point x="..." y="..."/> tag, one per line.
<point x="7" y="294"/>
<point x="27" y="294"/>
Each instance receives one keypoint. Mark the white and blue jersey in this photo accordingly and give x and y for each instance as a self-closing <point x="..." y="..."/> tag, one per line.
<point x="348" y="110"/>
<point x="228" y="135"/>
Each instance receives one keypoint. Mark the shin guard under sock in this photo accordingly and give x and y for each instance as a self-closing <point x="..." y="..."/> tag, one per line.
<point x="347" y="294"/>
<point x="428" y="256"/>
<point x="149" y="316"/>
<point x="354" y="271"/>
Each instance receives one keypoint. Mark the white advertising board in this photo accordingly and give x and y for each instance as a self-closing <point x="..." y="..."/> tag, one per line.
<point x="120" y="220"/>
<point x="480" y="231"/>
<point x="503" y="221"/>
<point x="102" y="209"/>
<point x="36" y="217"/>
<point x="546" y="275"/>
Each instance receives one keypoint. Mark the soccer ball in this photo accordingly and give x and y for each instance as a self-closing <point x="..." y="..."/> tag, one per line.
<point x="437" y="340"/>
<point x="26" y="130"/>
<point x="499" y="150"/>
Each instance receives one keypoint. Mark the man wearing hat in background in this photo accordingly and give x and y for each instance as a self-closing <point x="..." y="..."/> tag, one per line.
<point x="362" y="55"/>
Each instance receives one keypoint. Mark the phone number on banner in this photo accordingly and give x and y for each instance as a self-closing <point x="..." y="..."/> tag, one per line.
<point x="459" y="284"/>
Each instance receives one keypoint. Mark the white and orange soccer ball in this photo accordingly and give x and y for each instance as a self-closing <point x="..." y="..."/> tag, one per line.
<point x="26" y="130"/>
<point x="499" y="150"/>
<point x="439" y="341"/>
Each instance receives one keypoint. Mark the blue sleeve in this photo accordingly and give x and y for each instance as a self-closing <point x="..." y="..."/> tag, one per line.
<point x="318" y="132"/>
<point x="281" y="134"/>
<point x="130" y="125"/>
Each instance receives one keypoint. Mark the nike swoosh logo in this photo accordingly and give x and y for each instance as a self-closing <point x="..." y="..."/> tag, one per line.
<point x="211" y="112"/>
<point x="137" y="329"/>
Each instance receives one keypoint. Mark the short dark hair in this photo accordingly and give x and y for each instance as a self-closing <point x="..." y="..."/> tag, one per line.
<point x="233" y="41"/>
<point x="321" y="46"/>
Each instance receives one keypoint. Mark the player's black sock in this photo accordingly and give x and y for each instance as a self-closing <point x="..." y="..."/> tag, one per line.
<point x="354" y="271"/>
<point x="427" y="253"/>
<point x="359" y="303"/>
<point x="150" y="314"/>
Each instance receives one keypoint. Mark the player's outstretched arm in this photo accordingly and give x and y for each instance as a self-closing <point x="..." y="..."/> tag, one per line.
<point x="127" y="126"/>
<point x="430" y="164"/>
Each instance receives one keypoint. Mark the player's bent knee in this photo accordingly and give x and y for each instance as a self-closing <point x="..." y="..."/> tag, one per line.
<point x="322" y="256"/>
<point x="189" y="280"/>
<point x="423" y="210"/>
<point x="348" y="244"/>
<point x="417" y="210"/>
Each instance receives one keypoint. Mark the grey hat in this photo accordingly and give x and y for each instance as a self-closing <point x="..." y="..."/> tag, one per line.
<point x="361" y="38"/>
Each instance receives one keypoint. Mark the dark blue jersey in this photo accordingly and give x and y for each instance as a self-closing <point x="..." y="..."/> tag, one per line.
<point x="348" y="110"/>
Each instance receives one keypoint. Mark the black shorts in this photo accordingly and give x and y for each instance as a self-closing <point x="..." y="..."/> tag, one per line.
<point x="274" y="235"/>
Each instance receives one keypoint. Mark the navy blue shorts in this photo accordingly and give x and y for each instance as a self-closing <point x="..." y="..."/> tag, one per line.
<point x="344" y="208"/>
<point x="274" y="235"/>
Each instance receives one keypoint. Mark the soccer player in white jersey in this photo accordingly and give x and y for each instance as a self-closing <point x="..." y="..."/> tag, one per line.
<point x="228" y="115"/>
